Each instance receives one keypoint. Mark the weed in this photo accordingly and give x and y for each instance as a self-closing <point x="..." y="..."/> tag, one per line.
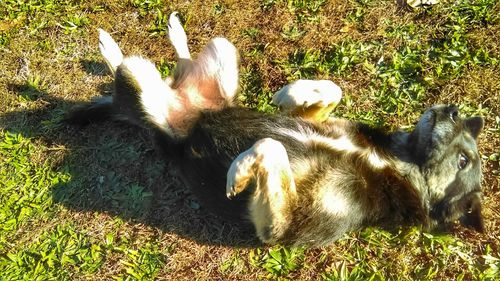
<point x="159" y="27"/>
<point x="304" y="65"/>
<point x="253" y="93"/>
<point x="26" y="9"/>
<point x="141" y="264"/>
<point x="219" y="9"/>
<point x="302" y="13"/>
<point x="147" y="6"/>
<point x="233" y="263"/>
<point x="74" y="22"/>
<point x="467" y="13"/>
<point x="252" y="32"/>
<point x="344" y="56"/>
<point x="401" y="80"/>
<point x="339" y="60"/>
<point x="343" y="271"/>
<point x="4" y="39"/>
<point x="166" y="68"/>
<point x="357" y="12"/>
<point x="291" y="32"/>
<point x="34" y="88"/>
<point x="278" y="261"/>
<point x="25" y="184"/>
<point x="492" y="265"/>
<point x="306" y="10"/>
<point x="37" y="14"/>
<point x="55" y="254"/>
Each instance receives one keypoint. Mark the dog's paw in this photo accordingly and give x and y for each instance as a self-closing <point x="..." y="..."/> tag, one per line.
<point x="241" y="172"/>
<point x="178" y="36"/>
<point x="110" y="50"/>
<point x="264" y="160"/>
<point x="305" y="93"/>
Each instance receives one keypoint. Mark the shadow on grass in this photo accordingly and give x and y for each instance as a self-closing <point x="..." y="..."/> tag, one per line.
<point x="95" y="68"/>
<point x="115" y="168"/>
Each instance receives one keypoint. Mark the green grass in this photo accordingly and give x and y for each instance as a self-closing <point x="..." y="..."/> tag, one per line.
<point x="56" y="254"/>
<point x="25" y="183"/>
<point x="99" y="203"/>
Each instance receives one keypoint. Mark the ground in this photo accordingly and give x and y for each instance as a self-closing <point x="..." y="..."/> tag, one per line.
<point x="98" y="203"/>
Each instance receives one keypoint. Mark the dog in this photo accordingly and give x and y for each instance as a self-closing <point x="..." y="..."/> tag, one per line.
<point x="299" y="177"/>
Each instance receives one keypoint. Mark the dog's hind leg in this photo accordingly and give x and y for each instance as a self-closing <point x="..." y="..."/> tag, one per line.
<point x="178" y="37"/>
<point x="143" y="97"/>
<point x="312" y="100"/>
<point x="110" y="50"/>
<point x="266" y="167"/>
<point x="211" y="81"/>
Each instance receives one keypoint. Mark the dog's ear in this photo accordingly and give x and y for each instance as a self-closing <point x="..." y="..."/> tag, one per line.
<point x="473" y="217"/>
<point x="474" y="125"/>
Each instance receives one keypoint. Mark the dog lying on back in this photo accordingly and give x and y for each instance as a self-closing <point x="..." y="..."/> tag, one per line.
<point x="301" y="177"/>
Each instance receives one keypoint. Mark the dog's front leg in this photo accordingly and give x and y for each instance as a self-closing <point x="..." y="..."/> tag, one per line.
<point x="312" y="100"/>
<point x="265" y="166"/>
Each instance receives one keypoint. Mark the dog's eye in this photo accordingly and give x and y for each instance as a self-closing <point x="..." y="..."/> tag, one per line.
<point x="454" y="115"/>
<point x="462" y="161"/>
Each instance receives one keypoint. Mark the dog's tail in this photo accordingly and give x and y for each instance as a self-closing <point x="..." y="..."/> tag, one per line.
<point x="99" y="109"/>
<point x="142" y="97"/>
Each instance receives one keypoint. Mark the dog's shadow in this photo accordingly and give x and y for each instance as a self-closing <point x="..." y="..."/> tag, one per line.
<point x="115" y="168"/>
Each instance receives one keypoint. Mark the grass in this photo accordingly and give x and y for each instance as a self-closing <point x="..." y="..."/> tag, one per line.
<point x="98" y="203"/>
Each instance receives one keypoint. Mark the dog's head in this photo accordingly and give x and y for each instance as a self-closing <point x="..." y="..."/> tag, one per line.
<point x="444" y="146"/>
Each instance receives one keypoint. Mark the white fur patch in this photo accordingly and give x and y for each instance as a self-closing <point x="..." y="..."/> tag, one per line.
<point x="375" y="160"/>
<point x="110" y="50"/>
<point x="178" y="37"/>
<point x="156" y="97"/>
<point x="307" y="92"/>
<point x="334" y="203"/>
<point x="341" y="144"/>
<point x="308" y="137"/>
